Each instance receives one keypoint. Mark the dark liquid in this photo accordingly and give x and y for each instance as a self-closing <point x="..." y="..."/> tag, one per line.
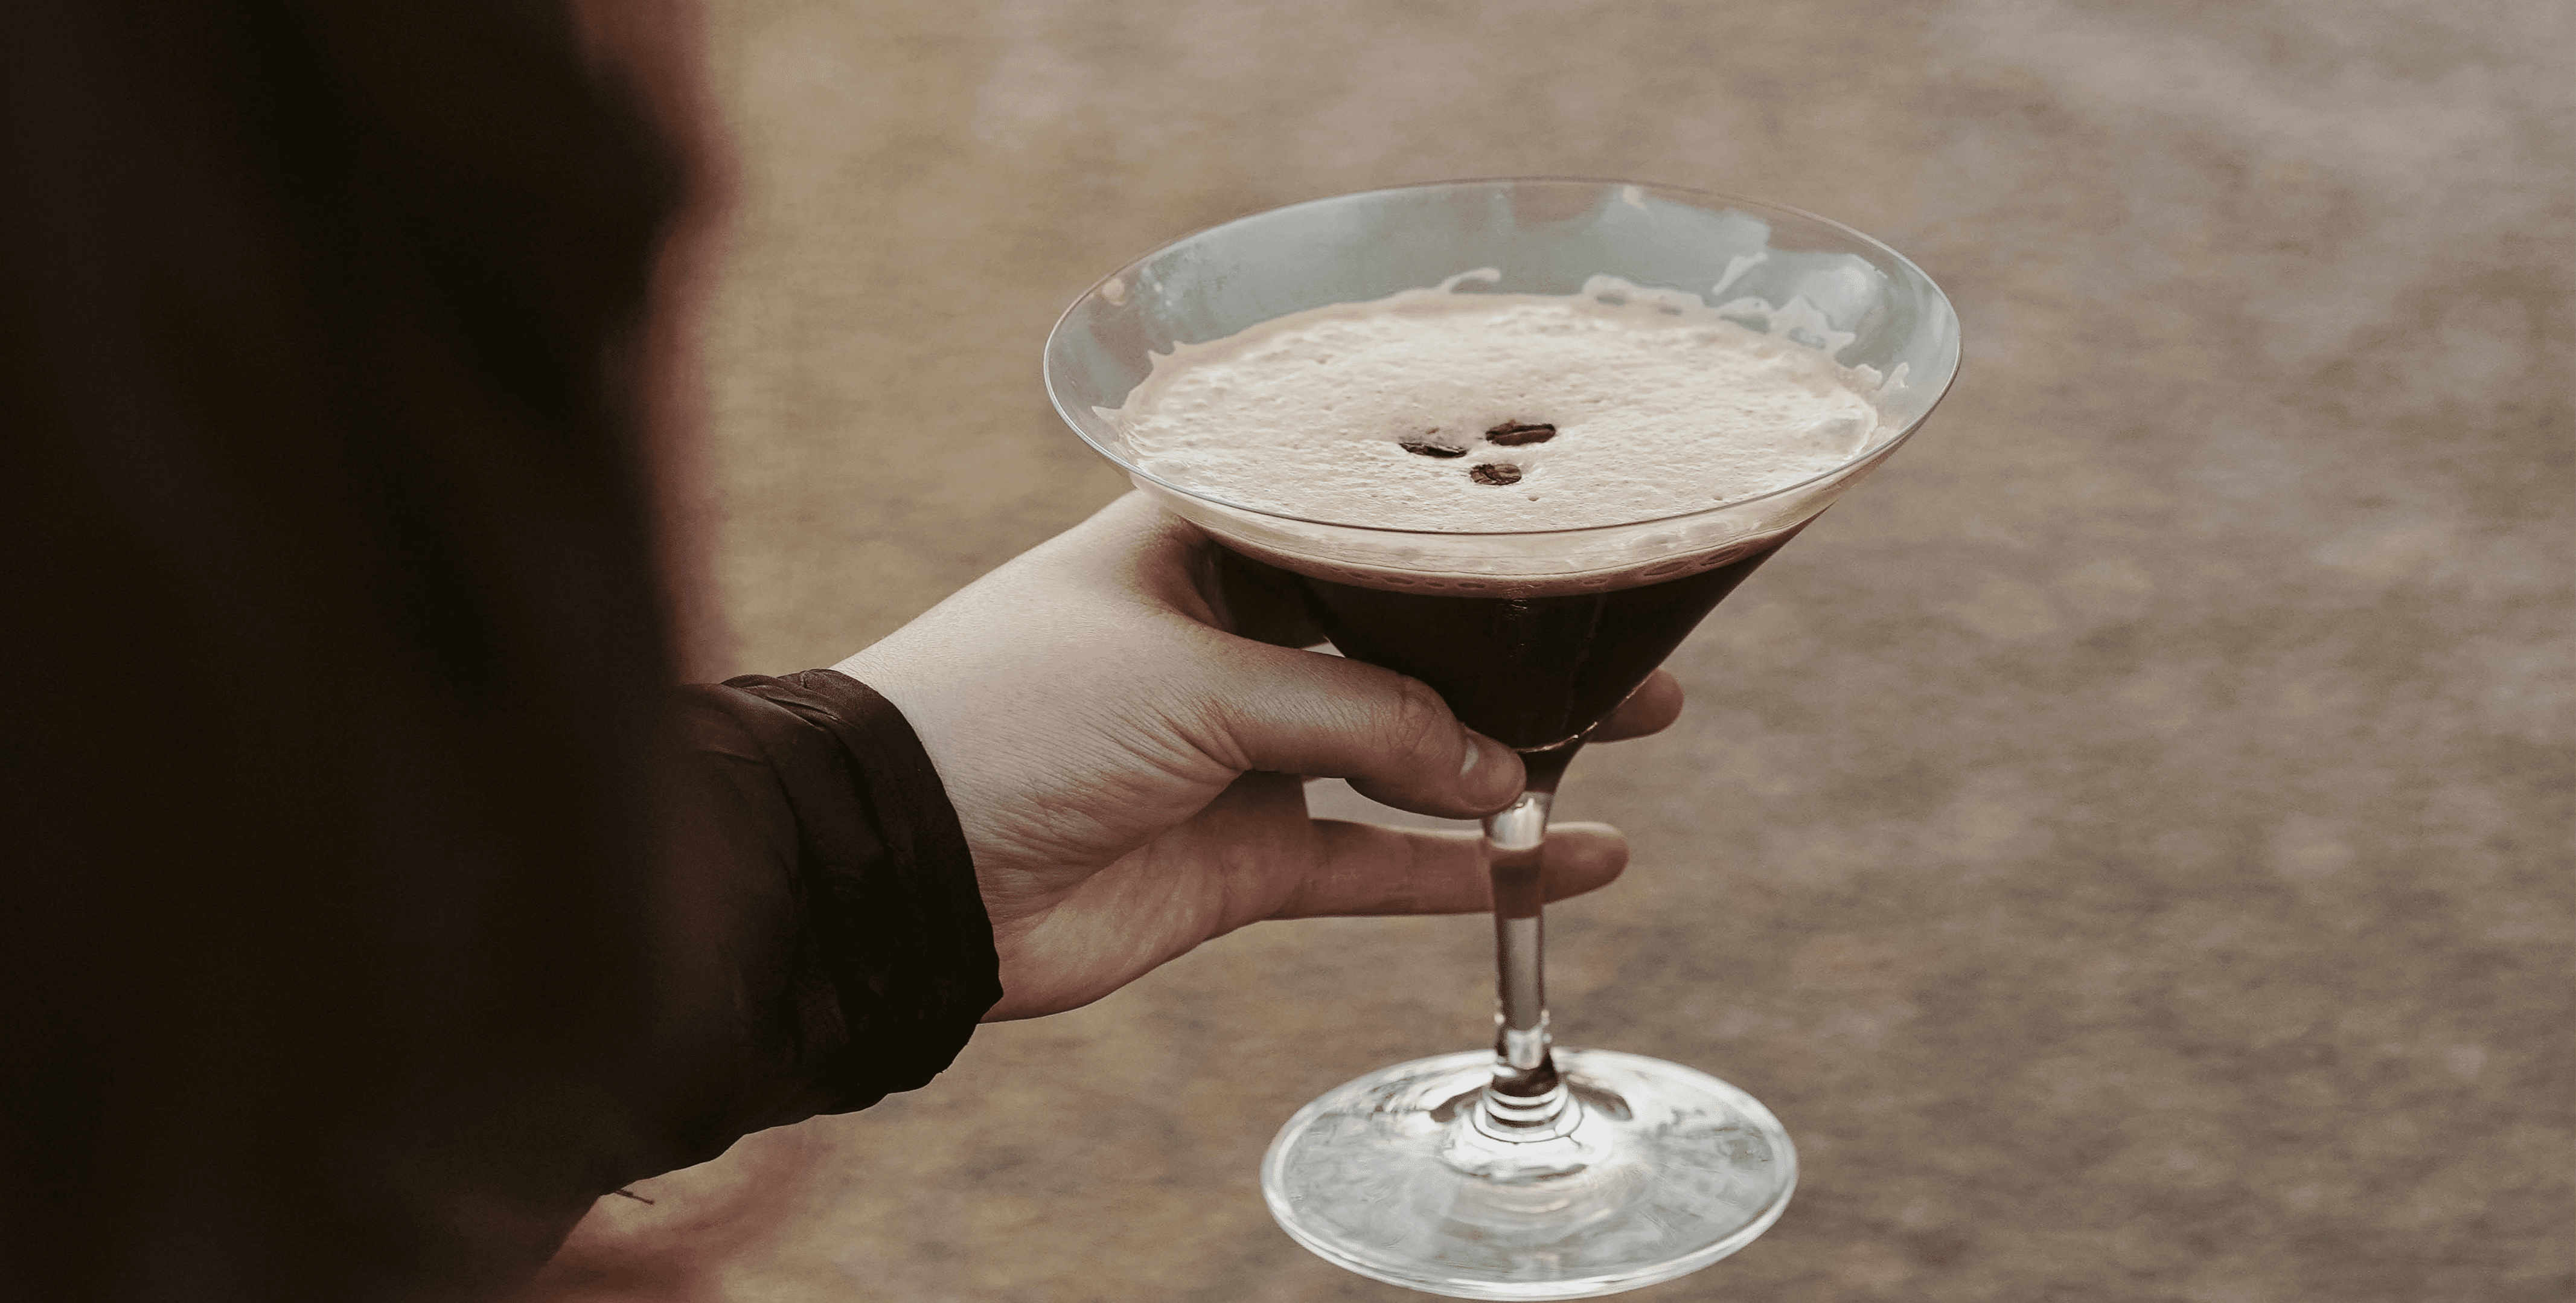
<point x="1530" y="672"/>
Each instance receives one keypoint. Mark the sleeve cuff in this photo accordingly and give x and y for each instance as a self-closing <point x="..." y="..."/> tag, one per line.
<point x="890" y="898"/>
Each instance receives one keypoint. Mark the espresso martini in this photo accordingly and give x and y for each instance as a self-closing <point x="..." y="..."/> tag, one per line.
<point x="1525" y="497"/>
<point x="1481" y="413"/>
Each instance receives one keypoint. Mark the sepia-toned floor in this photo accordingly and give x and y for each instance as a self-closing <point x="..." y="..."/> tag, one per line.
<point x="2129" y="843"/>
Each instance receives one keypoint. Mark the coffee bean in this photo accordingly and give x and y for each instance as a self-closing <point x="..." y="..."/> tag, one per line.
<point x="1496" y="473"/>
<point x="1424" y="448"/>
<point x="1512" y="434"/>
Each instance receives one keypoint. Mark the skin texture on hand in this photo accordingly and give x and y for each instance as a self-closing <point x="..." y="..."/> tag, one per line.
<point x="1126" y="762"/>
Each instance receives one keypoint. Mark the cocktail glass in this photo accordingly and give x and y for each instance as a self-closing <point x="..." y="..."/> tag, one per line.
<point x="1524" y="1172"/>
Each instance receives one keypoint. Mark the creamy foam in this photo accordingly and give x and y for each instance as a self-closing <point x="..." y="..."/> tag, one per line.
<point x="1662" y="406"/>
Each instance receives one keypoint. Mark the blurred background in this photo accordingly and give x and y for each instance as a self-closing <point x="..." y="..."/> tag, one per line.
<point x="2128" y="843"/>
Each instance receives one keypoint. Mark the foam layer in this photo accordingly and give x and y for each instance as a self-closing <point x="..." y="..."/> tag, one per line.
<point x="1661" y="405"/>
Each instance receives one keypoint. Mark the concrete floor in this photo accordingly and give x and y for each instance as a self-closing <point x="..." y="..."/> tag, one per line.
<point x="2128" y="843"/>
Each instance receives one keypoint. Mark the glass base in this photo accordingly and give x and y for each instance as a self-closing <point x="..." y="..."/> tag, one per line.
<point x="1655" y="1170"/>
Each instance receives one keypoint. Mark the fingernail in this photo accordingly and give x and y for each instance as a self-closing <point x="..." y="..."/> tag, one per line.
<point x="1485" y="769"/>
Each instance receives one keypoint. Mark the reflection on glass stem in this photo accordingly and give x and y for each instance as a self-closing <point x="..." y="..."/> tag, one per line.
<point x="1526" y="1099"/>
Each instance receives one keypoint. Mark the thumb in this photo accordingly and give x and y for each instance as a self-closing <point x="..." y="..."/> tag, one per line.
<point x="1302" y="712"/>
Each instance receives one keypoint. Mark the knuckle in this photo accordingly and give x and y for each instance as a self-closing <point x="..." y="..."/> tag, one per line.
<point x="1419" y="722"/>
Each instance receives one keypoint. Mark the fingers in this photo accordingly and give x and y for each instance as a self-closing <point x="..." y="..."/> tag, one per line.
<point x="1298" y="712"/>
<point x="1652" y="708"/>
<point x="1367" y="869"/>
<point x="1392" y="736"/>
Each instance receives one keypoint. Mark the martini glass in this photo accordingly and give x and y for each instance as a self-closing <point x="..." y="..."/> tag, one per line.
<point x="1524" y="1171"/>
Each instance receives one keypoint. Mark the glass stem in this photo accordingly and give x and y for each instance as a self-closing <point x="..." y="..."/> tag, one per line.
<point x="1525" y="1098"/>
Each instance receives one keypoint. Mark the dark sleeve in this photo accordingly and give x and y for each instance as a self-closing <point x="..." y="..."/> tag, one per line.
<point x="887" y="944"/>
<point x="811" y="915"/>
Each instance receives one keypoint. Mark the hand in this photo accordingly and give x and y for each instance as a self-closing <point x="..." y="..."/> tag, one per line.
<point x="1125" y="761"/>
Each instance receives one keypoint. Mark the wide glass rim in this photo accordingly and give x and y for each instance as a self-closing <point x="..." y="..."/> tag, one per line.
<point x="1055" y="399"/>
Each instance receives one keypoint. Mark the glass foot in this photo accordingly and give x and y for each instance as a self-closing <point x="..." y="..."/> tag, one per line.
<point x="1655" y="1171"/>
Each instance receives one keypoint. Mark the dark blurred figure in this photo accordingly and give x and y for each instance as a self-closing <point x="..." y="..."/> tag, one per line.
<point x="371" y="903"/>
<point x="359" y="926"/>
